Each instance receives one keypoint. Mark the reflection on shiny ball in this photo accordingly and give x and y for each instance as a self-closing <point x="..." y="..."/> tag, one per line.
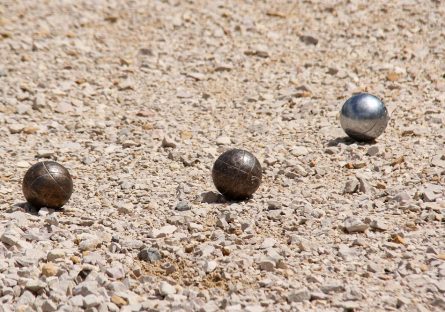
<point x="47" y="184"/>
<point x="237" y="174"/>
<point x="364" y="117"/>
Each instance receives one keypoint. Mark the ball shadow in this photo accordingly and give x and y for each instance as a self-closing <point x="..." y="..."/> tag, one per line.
<point x="348" y="141"/>
<point x="28" y="208"/>
<point x="212" y="197"/>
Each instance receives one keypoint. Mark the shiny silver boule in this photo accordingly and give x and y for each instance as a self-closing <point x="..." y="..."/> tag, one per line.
<point x="364" y="117"/>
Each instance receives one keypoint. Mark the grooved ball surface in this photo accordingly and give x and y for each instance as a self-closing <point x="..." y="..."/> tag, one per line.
<point x="237" y="174"/>
<point x="47" y="184"/>
<point x="364" y="117"/>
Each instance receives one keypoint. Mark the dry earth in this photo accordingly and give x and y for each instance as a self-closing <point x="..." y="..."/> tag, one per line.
<point x="138" y="98"/>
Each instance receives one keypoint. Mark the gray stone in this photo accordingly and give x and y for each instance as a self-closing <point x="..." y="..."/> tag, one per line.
<point x="91" y="301"/>
<point x="183" y="205"/>
<point x="223" y="140"/>
<point x="268" y="242"/>
<point x="378" y="225"/>
<point x="373" y="150"/>
<point x="49" y="306"/>
<point x="166" y="289"/>
<point x="351" y="186"/>
<point x="354" y="225"/>
<point x="299" y="295"/>
<point x="210" y="266"/>
<point x="149" y="255"/>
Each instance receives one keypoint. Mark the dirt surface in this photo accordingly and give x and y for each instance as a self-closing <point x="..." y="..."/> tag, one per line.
<point x="138" y="98"/>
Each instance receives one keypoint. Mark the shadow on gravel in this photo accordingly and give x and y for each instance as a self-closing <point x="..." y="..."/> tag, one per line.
<point x="348" y="141"/>
<point x="211" y="197"/>
<point x="28" y="208"/>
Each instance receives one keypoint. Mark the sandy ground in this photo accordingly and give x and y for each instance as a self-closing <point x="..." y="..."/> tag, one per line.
<point x="138" y="98"/>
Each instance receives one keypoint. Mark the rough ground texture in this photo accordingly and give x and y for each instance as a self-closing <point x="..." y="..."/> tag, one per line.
<point x="137" y="100"/>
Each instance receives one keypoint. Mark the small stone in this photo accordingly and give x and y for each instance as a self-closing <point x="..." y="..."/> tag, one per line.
<point x="223" y="140"/>
<point x="166" y="289"/>
<point x="402" y="197"/>
<point x="183" y="205"/>
<point x="163" y="231"/>
<point x="438" y="161"/>
<point x="39" y="101"/>
<point x="168" y="142"/>
<point x="268" y="243"/>
<point x="15" y="128"/>
<point x="35" y="285"/>
<point x="119" y="301"/>
<point x="64" y="107"/>
<point x="373" y="150"/>
<point x="267" y="265"/>
<point x="210" y="266"/>
<point x="299" y="151"/>
<point x="44" y="153"/>
<point x="75" y="259"/>
<point x="91" y="301"/>
<point x="116" y="272"/>
<point x="332" y="287"/>
<point x="378" y="225"/>
<point x="364" y="185"/>
<point x="125" y="208"/>
<point x="149" y="255"/>
<point x="345" y="252"/>
<point x="49" y="306"/>
<point x="254" y="308"/>
<point x="351" y="186"/>
<point x="373" y="267"/>
<point x="354" y="225"/>
<point x="88" y="244"/>
<point x="431" y="192"/>
<point x="49" y="269"/>
<point x="299" y="295"/>
<point x="76" y="301"/>
<point x="55" y="254"/>
<point x="273" y="205"/>
<point x="309" y="40"/>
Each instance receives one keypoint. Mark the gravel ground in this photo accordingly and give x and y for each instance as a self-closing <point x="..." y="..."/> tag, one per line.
<point x="138" y="98"/>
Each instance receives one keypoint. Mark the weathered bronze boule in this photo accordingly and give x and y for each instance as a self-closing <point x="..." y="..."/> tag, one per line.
<point x="47" y="184"/>
<point x="237" y="174"/>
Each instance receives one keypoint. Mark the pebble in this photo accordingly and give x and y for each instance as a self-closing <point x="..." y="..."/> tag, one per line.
<point x="49" y="269"/>
<point x="378" y="225"/>
<point x="183" y="205"/>
<point x="149" y="255"/>
<point x="49" y="306"/>
<point x="373" y="150"/>
<point x="35" y="285"/>
<point x="163" y="231"/>
<point x="210" y="266"/>
<point x="223" y="140"/>
<point x="351" y="186"/>
<point x="166" y="289"/>
<point x="299" y="151"/>
<point x="268" y="242"/>
<point x="354" y="225"/>
<point x="55" y="254"/>
<point x="167" y="142"/>
<point x="299" y="295"/>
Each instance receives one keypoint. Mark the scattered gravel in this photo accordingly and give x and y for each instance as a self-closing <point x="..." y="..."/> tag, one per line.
<point x="138" y="98"/>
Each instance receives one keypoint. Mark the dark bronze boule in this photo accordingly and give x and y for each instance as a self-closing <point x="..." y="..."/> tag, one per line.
<point x="236" y="174"/>
<point x="47" y="184"/>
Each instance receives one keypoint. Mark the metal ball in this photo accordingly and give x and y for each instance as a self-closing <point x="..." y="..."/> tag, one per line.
<point x="47" y="184"/>
<point x="364" y="117"/>
<point x="237" y="174"/>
